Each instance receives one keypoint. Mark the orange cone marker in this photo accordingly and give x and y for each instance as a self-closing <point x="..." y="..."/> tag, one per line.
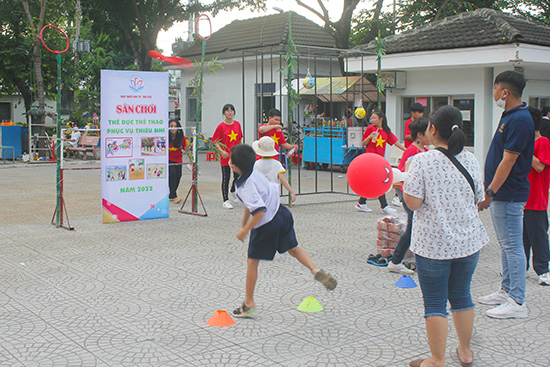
<point x="220" y="318"/>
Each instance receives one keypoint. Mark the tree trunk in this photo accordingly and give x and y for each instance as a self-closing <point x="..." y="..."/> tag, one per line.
<point x="375" y="24"/>
<point x="24" y="90"/>
<point x="37" y="62"/>
<point x="133" y="46"/>
<point x="440" y="10"/>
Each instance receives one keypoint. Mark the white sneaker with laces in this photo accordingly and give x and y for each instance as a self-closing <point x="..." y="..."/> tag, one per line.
<point x="497" y="298"/>
<point x="395" y="201"/>
<point x="363" y="208"/>
<point x="389" y="210"/>
<point x="227" y="204"/>
<point x="508" y="310"/>
<point x="232" y="197"/>
<point x="544" y="279"/>
<point x="399" y="268"/>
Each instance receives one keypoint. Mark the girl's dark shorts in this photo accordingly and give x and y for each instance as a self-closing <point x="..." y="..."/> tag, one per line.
<point x="276" y="235"/>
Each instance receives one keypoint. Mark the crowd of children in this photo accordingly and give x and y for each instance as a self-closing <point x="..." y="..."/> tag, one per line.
<point x="442" y="196"/>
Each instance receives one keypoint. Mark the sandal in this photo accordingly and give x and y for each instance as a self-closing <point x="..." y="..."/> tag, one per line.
<point x="416" y="362"/>
<point x="328" y="281"/>
<point x="244" y="311"/>
<point x="377" y="260"/>
<point x="464" y="364"/>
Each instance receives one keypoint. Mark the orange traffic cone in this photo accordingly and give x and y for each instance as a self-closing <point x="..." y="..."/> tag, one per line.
<point x="220" y="318"/>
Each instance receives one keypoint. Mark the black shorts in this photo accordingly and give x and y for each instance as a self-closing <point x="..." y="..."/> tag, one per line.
<point x="276" y="235"/>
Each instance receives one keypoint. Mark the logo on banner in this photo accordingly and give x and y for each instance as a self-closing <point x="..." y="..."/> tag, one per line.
<point x="136" y="84"/>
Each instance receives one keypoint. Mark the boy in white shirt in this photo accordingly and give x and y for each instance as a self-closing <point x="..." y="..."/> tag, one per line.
<point x="271" y="168"/>
<point x="270" y="225"/>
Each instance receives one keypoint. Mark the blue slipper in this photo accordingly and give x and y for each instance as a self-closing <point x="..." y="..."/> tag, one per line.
<point x="377" y="260"/>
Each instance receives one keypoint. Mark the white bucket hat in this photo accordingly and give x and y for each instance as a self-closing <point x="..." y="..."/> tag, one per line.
<point x="265" y="147"/>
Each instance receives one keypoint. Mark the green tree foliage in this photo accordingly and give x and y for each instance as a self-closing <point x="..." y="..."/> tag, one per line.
<point x="410" y="14"/>
<point x="15" y="51"/>
<point x="538" y="10"/>
<point x="25" y="66"/>
<point x="138" y="22"/>
<point x="340" y="30"/>
<point x="365" y="24"/>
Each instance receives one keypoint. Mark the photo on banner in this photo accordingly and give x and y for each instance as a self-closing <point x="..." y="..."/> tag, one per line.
<point x="134" y="136"/>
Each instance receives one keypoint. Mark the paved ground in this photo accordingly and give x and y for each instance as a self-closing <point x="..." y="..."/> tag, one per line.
<point x="140" y="293"/>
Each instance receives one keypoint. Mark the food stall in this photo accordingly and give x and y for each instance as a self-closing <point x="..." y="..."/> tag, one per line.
<point x="332" y="145"/>
<point x="331" y="142"/>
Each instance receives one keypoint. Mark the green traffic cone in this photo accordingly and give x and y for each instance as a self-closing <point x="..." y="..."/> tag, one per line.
<point x="310" y="304"/>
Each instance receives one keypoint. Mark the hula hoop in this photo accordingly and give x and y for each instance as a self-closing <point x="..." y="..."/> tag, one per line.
<point x="63" y="33"/>
<point x="197" y="27"/>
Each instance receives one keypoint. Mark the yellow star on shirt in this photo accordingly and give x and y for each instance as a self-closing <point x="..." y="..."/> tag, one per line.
<point x="379" y="141"/>
<point x="232" y="136"/>
<point x="276" y="138"/>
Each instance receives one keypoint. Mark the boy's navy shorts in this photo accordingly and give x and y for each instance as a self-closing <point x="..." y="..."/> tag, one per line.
<point x="276" y="235"/>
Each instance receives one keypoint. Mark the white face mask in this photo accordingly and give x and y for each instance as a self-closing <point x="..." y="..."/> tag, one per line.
<point x="501" y="103"/>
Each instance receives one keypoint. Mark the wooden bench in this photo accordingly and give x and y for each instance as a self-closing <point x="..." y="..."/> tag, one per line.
<point x="86" y="144"/>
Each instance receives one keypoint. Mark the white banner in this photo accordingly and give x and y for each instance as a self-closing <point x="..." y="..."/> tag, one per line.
<point x="134" y="145"/>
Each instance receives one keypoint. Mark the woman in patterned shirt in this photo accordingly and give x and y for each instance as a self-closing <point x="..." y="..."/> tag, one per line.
<point x="447" y="233"/>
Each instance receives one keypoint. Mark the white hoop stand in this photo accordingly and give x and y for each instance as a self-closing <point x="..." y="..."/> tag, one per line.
<point x="194" y="189"/>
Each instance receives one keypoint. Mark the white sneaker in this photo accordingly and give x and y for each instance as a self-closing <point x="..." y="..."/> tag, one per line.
<point x="497" y="298"/>
<point x="395" y="201"/>
<point x="363" y="208"/>
<point x="227" y="204"/>
<point x="508" y="310"/>
<point x="232" y="197"/>
<point x="389" y="210"/>
<point x="399" y="268"/>
<point x="544" y="279"/>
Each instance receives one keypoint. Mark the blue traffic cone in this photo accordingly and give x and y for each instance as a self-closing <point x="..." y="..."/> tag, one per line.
<point x="405" y="282"/>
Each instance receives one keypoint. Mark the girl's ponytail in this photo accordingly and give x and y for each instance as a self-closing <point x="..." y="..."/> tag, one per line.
<point x="448" y="123"/>
<point x="456" y="140"/>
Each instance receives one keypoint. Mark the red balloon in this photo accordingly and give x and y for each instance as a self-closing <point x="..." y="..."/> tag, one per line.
<point x="370" y="175"/>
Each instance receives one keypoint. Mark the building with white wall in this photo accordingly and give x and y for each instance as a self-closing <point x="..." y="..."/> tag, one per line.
<point x="454" y="61"/>
<point x="252" y="52"/>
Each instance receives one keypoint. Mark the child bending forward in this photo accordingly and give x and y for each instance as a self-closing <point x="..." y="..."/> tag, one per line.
<point x="270" y="225"/>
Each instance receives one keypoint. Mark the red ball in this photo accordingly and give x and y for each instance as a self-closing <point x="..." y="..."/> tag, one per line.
<point x="370" y="175"/>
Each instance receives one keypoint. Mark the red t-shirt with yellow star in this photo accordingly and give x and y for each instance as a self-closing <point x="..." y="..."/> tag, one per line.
<point x="276" y="135"/>
<point x="379" y="147"/>
<point x="229" y="135"/>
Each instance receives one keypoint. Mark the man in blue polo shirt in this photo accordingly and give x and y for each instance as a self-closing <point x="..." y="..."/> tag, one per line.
<point x="507" y="188"/>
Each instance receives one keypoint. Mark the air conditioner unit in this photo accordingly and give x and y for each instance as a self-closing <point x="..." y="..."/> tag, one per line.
<point x="394" y="79"/>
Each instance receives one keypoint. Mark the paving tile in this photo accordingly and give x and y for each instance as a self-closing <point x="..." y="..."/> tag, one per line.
<point x="141" y="293"/>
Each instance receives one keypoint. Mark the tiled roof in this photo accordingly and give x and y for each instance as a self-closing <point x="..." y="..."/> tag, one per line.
<point x="261" y="34"/>
<point x="482" y="27"/>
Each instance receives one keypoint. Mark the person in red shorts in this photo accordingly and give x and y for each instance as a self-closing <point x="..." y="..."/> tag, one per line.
<point x="375" y="138"/>
<point x="228" y="133"/>
<point x="535" y="214"/>
<point x="274" y="129"/>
